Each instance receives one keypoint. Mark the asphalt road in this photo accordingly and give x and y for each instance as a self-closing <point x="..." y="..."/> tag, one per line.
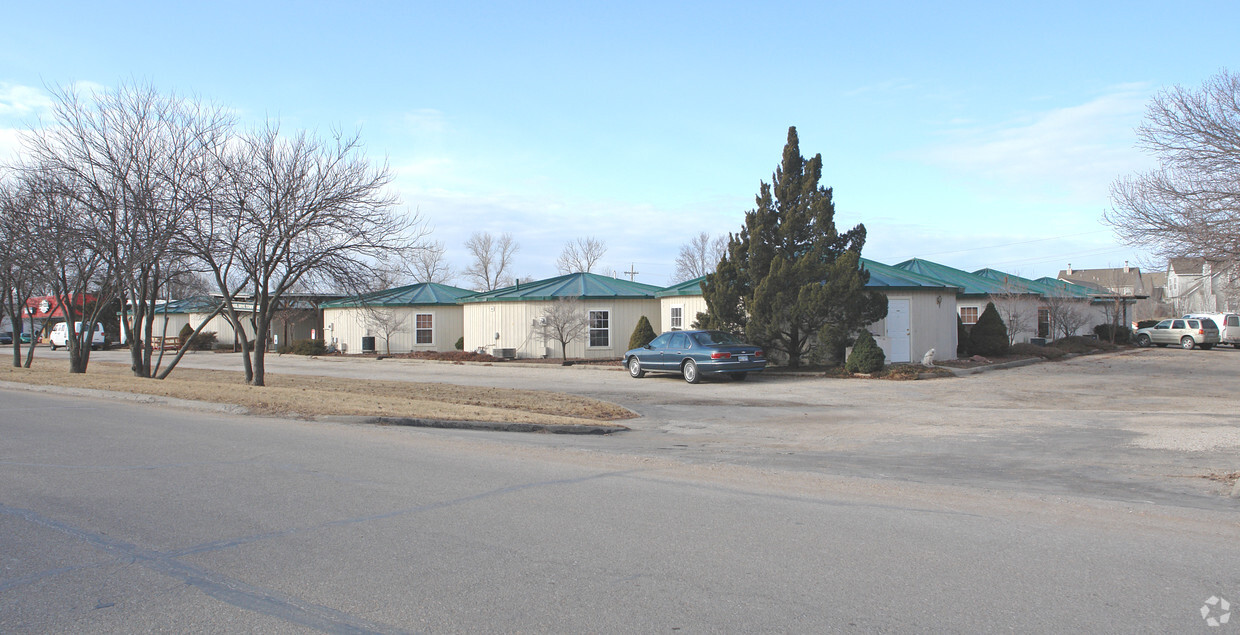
<point x="117" y="517"/>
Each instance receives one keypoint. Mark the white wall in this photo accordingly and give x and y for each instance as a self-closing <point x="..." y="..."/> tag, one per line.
<point x="690" y="306"/>
<point x="516" y="323"/>
<point x="347" y="326"/>
<point x="932" y="324"/>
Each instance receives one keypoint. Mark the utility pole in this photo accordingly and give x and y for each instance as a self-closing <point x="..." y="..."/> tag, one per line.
<point x="632" y="272"/>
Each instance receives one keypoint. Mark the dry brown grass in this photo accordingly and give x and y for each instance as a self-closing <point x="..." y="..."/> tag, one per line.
<point x="307" y="396"/>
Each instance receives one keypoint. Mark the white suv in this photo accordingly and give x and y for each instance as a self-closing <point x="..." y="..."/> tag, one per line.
<point x="1228" y="326"/>
<point x="60" y="336"/>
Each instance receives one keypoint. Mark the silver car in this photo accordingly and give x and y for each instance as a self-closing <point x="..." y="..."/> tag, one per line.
<point x="1187" y="333"/>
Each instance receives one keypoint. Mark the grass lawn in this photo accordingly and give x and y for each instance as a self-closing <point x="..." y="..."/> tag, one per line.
<point x="307" y="396"/>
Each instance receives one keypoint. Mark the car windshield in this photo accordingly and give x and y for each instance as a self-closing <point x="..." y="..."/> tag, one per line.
<point x="709" y="338"/>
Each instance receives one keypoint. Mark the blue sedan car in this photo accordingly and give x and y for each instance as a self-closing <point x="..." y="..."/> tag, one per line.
<point x="694" y="354"/>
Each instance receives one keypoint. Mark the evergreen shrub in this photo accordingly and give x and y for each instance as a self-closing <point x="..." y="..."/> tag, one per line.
<point x="1122" y="333"/>
<point x="642" y="333"/>
<point x="866" y="356"/>
<point x="304" y="347"/>
<point x="962" y="339"/>
<point x="989" y="336"/>
<point x="460" y="344"/>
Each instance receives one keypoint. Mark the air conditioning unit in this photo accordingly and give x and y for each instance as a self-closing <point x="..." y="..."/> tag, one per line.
<point x="506" y="353"/>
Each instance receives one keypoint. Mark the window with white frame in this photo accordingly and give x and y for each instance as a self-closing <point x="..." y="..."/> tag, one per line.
<point x="600" y="329"/>
<point x="678" y="318"/>
<point x="968" y="314"/>
<point x="424" y="328"/>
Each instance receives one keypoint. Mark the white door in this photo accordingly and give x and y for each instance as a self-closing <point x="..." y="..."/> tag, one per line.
<point x="898" y="329"/>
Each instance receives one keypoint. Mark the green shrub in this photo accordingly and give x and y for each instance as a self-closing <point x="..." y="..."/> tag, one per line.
<point x="304" y="347"/>
<point x="962" y="339"/>
<point x="642" y="333"/>
<point x="460" y="344"/>
<point x="186" y="332"/>
<point x="1033" y="350"/>
<point x="1081" y="344"/>
<point x="205" y="341"/>
<point x="989" y="336"/>
<point x="866" y="356"/>
<point x="1122" y="333"/>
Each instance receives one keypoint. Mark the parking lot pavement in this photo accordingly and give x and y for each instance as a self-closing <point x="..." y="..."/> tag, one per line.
<point x="1155" y="425"/>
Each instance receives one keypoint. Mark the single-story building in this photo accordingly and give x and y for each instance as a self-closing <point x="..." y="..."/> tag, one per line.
<point x="512" y="322"/>
<point x="921" y="314"/>
<point x="680" y="304"/>
<point x="418" y="317"/>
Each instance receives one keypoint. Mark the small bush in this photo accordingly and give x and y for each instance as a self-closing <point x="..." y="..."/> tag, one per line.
<point x="460" y="344"/>
<point x="866" y="356"/>
<point x="186" y="332"/>
<point x="205" y="341"/>
<point x="304" y="347"/>
<point x="1081" y="344"/>
<point x="642" y="333"/>
<point x="1033" y="350"/>
<point x="989" y="336"/>
<point x="1122" y="333"/>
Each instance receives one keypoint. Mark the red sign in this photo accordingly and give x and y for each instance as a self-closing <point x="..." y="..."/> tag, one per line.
<point x="49" y="307"/>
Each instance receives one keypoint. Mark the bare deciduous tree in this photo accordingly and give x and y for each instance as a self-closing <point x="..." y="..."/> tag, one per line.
<point x="1013" y="304"/>
<point x="302" y="211"/>
<point x="431" y="265"/>
<point x="581" y="255"/>
<point x="492" y="259"/>
<point x="134" y="159"/>
<point x="565" y="321"/>
<point x="699" y="256"/>
<point x="1190" y="205"/>
<point x="385" y="322"/>
<point x="19" y="273"/>
<point x="1067" y="314"/>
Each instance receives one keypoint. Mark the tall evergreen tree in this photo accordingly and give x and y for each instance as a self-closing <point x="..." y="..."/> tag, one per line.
<point x="789" y="273"/>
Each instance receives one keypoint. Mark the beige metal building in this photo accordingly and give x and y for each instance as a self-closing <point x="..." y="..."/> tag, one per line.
<point x="680" y="304"/>
<point x="512" y="322"/>
<point x="418" y="317"/>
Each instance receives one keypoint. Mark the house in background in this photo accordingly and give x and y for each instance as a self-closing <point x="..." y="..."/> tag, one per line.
<point x="1202" y="285"/>
<point x="511" y="322"/>
<point x="417" y="317"/>
<point x="1121" y="287"/>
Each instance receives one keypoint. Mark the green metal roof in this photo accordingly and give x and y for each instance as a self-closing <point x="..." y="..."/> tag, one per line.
<point x="888" y="277"/>
<point x="968" y="283"/>
<point x="587" y="286"/>
<point x="1042" y="286"/>
<point x="194" y="304"/>
<point x="421" y="294"/>
<point x="688" y="287"/>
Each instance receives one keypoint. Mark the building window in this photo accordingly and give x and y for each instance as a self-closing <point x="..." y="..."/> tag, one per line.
<point x="600" y="329"/>
<point x="678" y="318"/>
<point x="968" y="314"/>
<point x="424" y="328"/>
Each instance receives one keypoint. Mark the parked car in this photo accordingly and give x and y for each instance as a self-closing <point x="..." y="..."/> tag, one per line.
<point x="6" y="337"/>
<point x="694" y="354"/>
<point x="25" y="337"/>
<point x="1186" y="332"/>
<point x="1228" y="326"/>
<point x="60" y="336"/>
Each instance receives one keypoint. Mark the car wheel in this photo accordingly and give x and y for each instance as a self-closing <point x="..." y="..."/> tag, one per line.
<point x="635" y="368"/>
<point x="690" y="371"/>
<point x="1143" y="340"/>
<point x="739" y="376"/>
<point x="1187" y="343"/>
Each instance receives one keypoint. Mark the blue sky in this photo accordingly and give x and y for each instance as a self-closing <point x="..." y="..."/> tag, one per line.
<point x="980" y="135"/>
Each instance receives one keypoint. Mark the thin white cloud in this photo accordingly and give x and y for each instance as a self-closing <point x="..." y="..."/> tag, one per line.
<point x="425" y="121"/>
<point x="21" y="101"/>
<point x="1075" y="150"/>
